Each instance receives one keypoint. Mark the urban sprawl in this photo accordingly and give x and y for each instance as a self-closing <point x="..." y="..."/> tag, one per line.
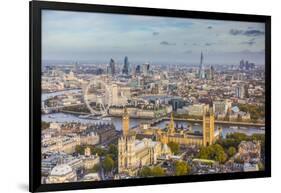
<point x="116" y="121"/>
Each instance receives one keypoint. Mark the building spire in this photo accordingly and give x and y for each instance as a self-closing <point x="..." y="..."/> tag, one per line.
<point x="208" y="127"/>
<point x="201" y="67"/>
<point x="171" y="124"/>
<point x="125" y="122"/>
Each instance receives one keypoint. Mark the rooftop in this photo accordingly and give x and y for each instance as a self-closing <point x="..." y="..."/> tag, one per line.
<point x="61" y="170"/>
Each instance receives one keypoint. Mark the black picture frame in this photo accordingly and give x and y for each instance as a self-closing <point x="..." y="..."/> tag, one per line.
<point x="35" y="94"/>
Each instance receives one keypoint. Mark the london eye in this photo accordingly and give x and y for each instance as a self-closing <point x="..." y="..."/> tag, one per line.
<point x="97" y="97"/>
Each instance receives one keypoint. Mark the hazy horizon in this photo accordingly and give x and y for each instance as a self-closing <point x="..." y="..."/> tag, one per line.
<point x="97" y="37"/>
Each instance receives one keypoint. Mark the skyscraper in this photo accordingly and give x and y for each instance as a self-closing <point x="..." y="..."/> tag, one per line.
<point x="126" y="68"/>
<point x="111" y="69"/>
<point x="240" y="91"/>
<point x="138" y="69"/>
<point x="212" y="73"/>
<point x="145" y="68"/>
<point x="201" y="68"/>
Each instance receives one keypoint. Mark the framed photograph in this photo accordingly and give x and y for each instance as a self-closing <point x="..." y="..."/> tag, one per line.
<point x="127" y="96"/>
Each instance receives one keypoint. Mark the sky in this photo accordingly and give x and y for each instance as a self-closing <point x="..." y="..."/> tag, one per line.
<point x="97" y="37"/>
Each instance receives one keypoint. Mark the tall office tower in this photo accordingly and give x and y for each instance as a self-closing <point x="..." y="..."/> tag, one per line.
<point x="76" y="66"/>
<point x="240" y="91"/>
<point x="145" y="68"/>
<point x="112" y="67"/>
<point x="208" y="127"/>
<point x="114" y="94"/>
<point x="126" y="68"/>
<point x="201" y="68"/>
<point x="138" y="69"/>
<point x="212" y="73"/>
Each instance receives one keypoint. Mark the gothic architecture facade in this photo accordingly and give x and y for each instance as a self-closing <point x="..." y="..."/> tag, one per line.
<point x="133" y="153"/>
<point x="207" y="137"/>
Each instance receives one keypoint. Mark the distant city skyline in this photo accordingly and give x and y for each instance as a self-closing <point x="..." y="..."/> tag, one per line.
<point x="98" y="37"/>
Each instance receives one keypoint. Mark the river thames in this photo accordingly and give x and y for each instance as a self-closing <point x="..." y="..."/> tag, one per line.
<point x="65" y="117"/>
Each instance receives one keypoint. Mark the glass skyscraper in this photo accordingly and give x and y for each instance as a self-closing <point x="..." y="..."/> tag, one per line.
<point x="126" y="69"/>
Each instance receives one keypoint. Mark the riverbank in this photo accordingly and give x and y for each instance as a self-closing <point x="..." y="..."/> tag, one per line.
<point x="179" y="119"/>
<point x="223" y="122"/>
<point x="117" y="121"/>
<point x="74" y="112"/>
<point x="60" y="91"/>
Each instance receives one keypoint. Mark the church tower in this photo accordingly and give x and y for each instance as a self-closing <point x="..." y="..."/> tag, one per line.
<point x="171" y="129"/>
<point x="125" y="122"/>
<point x="126" y="146"/>
<point x="208" y="127"/>
<point x="121" y="154"/>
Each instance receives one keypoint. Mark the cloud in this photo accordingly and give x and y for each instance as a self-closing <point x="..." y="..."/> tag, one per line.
<point x="75" y="36"/>
<point x="236" y="32"/>
<point x="251" y="52"/>
<point x="155" y="33"/>
<point x="251" y="32"/>
<point x="187" y="52"/>
<point x="165" y="43"/>
<point x="249" y="42"/>
<point x="209" y="44"/>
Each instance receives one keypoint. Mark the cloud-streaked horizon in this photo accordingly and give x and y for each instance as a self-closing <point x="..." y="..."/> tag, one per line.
<point x="98" y="37"/>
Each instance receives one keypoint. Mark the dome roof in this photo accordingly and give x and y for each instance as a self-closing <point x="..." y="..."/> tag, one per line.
<point x="61" y="170"/>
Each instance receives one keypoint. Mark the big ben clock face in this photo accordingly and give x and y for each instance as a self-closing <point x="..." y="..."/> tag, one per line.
<point x="195" y="84"/>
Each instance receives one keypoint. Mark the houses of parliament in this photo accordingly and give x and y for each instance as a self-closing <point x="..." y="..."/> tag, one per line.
<point x="134" y="153"/>
<point x="188" y="137"/>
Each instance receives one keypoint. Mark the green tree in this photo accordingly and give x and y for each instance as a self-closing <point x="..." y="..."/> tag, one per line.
<point x="145" y="172"/>
<point x="174" y="147"/>
<point x="113" y="150"/>
<point x="204" y="153"/>
<point x="181" y="168"/>
<point x="152" y="172"/>
<point x="79" y="149"/>
<point x="217" y="153"/>
<point x="98" y="150"/>
<point x="108" y="163"/>
<point x="231" y="151"/>
<point x="213" y="152"/>
<point x="234" y="139"/>
<point x="261" y="166"/>
<point x="255" y="111"/>
<point x="157" y="171"/>
<point x="45" y="125"/>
